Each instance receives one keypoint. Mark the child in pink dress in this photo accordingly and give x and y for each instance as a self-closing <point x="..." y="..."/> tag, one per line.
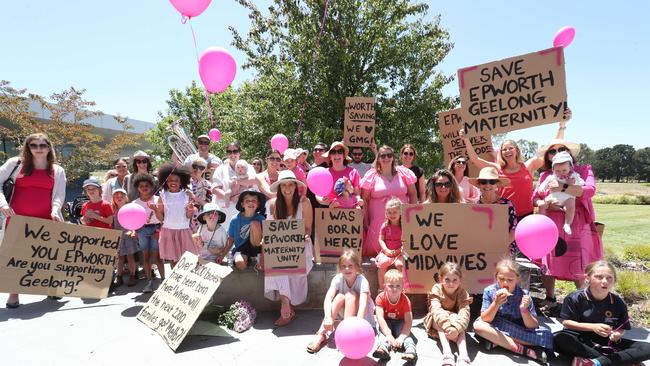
<point x="390" y="240"/>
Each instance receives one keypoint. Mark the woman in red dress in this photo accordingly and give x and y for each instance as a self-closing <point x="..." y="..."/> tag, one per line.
<point x="39" y="186"/>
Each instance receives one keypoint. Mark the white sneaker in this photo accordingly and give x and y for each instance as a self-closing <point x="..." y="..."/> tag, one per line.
<point x="567" y="229"/>
<point x="148" y="288"/>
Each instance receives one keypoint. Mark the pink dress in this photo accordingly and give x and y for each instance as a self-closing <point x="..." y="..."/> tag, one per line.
<point x="470" y="193"/>
<point x="393" y="239"/>
<point x="381" y="190"/>
<point x="573" y="252"/>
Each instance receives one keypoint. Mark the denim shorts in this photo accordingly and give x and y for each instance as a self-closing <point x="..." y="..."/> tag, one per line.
<point x="147" y="238"/>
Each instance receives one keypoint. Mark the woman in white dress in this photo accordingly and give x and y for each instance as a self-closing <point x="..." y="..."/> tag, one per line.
<point x="289" y="204"/>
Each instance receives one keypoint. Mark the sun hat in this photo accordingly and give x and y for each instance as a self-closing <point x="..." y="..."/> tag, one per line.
<point x="300" y="151"/>
<point x="208" y="208"/>
<point x="489" y="173"/>
<point x="119" y="190"/>
<point x="141" y="154"/>
<point x="320" y="145"/>
<point x="261" y="198"/>
<point x="283" y="177"/>
<point x="573" y="147"/>
<point x="562" y="157"/>
<point x="346" y="151"/>
<point x="91" y="182"/>
<point x="290" y="154"/>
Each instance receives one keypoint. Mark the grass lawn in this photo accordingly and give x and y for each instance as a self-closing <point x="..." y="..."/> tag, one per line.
<point x="625" y="225"/>
<point x="623" y="188"/>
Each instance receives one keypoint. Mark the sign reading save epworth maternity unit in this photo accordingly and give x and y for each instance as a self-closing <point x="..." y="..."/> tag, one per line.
<point x="474" y="236"/>
<point x="515" y="93"/>
<point x="45" y="257"/>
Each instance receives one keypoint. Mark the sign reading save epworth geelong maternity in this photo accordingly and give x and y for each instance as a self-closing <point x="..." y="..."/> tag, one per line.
<point x="474" y="236"/>
<point x="45" y="257"/>
<point x="514" y="93"/>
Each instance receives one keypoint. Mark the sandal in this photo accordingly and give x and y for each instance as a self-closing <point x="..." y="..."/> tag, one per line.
<point x="316" y="346"/>
<point x="281" y="322"/>
<point x="410" y="355"/>
<point x="381" y="353"/>
<point x="12" y="305"/>
<point x="118" y="281"/>
<point x="535" y="353"/>
<point x="463" y="361"/>
<point x="447" y="360"/>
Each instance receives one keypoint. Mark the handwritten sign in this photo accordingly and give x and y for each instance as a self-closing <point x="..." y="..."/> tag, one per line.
<point x="514" y="93"/>
<point x="180" y="299"/>
<point x="337" y="230"/>
<point x="284" y="247"/>
<point x="474" y="236"/>
<point x="449" y="123"/>
<point x="359" y="121"/>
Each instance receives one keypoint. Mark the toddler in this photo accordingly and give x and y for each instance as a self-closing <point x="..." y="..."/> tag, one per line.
<point x="390" y="240"/>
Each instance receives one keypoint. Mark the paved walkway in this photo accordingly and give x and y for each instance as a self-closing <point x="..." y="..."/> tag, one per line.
<point x="74" y="331"/>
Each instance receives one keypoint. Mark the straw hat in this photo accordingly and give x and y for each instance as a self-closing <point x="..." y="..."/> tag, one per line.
<point x="283" y="177"/>
<point x="208" y="208"/>
<point x="572" y="146"/>
<point x="491" y="174"/>
<point x="141" y="154"/>
<point x="346" y="151"/>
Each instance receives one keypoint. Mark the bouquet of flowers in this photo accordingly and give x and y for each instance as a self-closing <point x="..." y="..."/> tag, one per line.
<point x="239" y="317"/>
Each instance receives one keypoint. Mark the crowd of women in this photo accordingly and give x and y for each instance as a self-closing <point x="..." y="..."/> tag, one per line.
<point x="214" y="208"/>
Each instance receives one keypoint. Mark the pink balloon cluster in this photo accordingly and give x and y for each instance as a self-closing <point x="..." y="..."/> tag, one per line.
<point x="190" y="8"/>
<point x="536" y="236"/>
<point x="132" y="216"/>
<point x="354" y="337"/>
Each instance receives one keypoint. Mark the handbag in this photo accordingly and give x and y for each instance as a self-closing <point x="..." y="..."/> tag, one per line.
<point x="8" y="185"/>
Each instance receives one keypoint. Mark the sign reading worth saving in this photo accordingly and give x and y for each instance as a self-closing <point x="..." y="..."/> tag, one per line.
<point x="284" y="247"/>
<point x="45" y="257"/>
<point x="337" y="230"/>
<point x="177" y="303"/>
<point x="515" y="93"/>
<point x="359" y="121"/>
<point x="450" y="123"/>
<point x="474" y="236"/>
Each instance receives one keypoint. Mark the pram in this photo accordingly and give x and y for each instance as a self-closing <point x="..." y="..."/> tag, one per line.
<point x="74" y="209"/>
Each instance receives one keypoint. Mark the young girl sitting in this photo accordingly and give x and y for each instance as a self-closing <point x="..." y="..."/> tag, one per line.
<point x="563" y="175"/>
<point x="175" y="209"/>
<point x="128" y="243"/>
<point x="211" y="236"/>
<point x="449" y="314"/>
<point x="348" y="295"/>
<point x="595" y="321"/>
<point x="508" y="317"/>
<point x="148" y="234"/>
<point x="390" y="240"/>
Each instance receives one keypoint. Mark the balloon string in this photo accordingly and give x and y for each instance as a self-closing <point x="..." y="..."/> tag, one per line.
<point x="207" y="95"/>
<point x="207" y="100"/>
<point x="196" y="48"/>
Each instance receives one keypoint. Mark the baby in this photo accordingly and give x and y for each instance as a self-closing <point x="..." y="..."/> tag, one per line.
<point x="236" y="183"/>
<point x="564" y="175"/>
<point x="345" y="197"/>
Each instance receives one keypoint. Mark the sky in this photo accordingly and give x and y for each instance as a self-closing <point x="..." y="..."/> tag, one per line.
<point x="129" y="54"/>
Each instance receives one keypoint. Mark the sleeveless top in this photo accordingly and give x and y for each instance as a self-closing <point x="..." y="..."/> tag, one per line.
<point x="520" y="189"/>
<point x="175" y="204"/>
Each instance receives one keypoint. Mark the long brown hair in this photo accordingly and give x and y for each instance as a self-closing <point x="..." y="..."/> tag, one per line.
<point x="28" y="158"/>
<point x="281" y="208"/>
<point x="454" y="193"/>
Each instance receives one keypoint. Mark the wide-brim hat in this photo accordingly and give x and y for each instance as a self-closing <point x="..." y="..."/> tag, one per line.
<point x="141" y="154"/>
<point x="346" y="151"/>
<point x="489" y="173"/>
<point x="290" y="154"/>
<point x="573" y="147"/>
<point x="261" y="197"/>
<point x="208" y="208"/>
<point x="285" y="176"/>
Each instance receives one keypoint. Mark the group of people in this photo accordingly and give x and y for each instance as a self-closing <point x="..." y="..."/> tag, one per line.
<point x="214" y="208"/>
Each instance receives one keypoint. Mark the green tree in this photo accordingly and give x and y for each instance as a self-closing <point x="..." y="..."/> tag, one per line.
<point x="528" y="148"/>
<point x="388" y="49"/>
<point x="642" y="163"/>
<point x="622" y="161"/>
<point x="603" y="167"/>
<point x="586" y="156"/>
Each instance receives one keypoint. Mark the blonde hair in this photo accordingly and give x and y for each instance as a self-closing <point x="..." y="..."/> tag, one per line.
<point x="591" y="267"/>
<point x="393" y="202"/>
<point x="502" y="162"/>
<point x="113" y="203"/>
<point x="509" y="264"/>
<point x="393" y="275"/>
<point x="450" y="267"/>
<point x="350" y="255"/>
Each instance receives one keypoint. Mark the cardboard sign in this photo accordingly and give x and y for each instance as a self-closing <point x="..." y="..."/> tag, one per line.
<point x="45" y="257"/>
<point x="359" y="121"/>
<point x="337" y="230"/>
<point x="284" y="247"/>
<point x="450" y="123"/>
<point x="515" y="93"/>
<point x="180" y="299"/>
<point x="474" y="236"/>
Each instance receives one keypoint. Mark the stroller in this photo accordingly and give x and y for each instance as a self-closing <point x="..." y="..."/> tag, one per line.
<point x="74" y="209"/>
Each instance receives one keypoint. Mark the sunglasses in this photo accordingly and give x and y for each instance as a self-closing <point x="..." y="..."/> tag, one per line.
<point x="461" y="162"/>
<point x="408" y="153"/>
<point x="273" y="158"/>
<point x="488" y="181"/>
<point x="337" y="151"/>
<point x="232" y="151"/>
<point x="386" y="156"/>
<point x="38" y="146"/>
<point x="554" y="151"/>
<point x="318" y="149"/>
<point x="198" y="167"/>
<point x="138" y="161"/>
<point x="442" y="184"/>
<point x="204" y="142"/>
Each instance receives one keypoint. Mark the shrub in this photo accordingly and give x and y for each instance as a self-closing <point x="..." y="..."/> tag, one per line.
<point x="637" y="253"/>
<point x="633" y="285"/>
<point x="622" y="199"/>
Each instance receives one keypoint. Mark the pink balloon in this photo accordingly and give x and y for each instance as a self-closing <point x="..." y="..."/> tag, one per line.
<point x="354" y="337"/>
<point x="279" y="142"/>
<point x="215" y="135"/>
<point x="217" y="69"/>
<point x="564" y="36"/>
<point x="132" y="216"/>
<point x="320" y="181"/>
<point x="190" y="8"/>
<point x="536" y="236"/>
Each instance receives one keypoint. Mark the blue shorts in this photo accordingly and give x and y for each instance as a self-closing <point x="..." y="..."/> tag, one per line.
<point x="147" y="237"/>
